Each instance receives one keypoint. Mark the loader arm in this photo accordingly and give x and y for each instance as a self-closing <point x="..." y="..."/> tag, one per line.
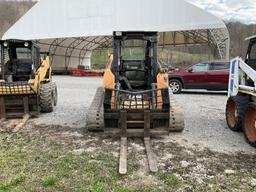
<point x="42" y="75"/>
<point x="239" y="71"/>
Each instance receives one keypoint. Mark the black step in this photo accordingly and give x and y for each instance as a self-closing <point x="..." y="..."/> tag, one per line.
<point x="14" y="115"/>
<point x="137" y="132"/>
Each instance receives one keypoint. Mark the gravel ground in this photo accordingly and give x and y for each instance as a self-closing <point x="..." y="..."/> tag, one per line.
<point x="205" y="123"/>
<point x="204" y="115"/>
<point x="74" y="98"/>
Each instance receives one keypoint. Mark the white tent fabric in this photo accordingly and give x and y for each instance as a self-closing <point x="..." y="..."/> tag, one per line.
<point x="72" y="29"/>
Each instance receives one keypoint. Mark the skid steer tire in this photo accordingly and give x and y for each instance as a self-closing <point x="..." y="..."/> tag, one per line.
<point x="235" y="111"/>
<point x="46" y="97"/>
<point x="249" y="125"/>
<point x="55" y="93"/>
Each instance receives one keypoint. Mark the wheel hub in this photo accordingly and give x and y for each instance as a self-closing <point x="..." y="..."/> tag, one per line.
<point x="174" y="86"/>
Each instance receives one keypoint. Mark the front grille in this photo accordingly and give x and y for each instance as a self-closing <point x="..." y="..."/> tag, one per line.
<point x="16" y="88"/>
<point x="141" y="100"/>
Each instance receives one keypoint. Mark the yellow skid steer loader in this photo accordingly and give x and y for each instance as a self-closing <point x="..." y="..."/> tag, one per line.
<point x="26" y="86"/>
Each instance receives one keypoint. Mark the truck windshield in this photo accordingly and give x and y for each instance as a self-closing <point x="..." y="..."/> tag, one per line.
<point x="133" y="50"/>
<point x="23" y="53"/>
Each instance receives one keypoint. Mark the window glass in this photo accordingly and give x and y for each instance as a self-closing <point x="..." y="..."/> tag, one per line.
<point x="23" y="53"/>
<point x="1" y="59"/>
<point x="200" y="67"/>
<point x="133" y="50"/>
<point x="220" y="66"/>
<point x="253" y="52"/>
<point x="1" y="54"/>
<point x="4" y="57"/>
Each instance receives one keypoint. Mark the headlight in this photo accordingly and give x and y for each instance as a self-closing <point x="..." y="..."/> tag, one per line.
<point x="118" y="33"/>
<point x="26" y="44"/>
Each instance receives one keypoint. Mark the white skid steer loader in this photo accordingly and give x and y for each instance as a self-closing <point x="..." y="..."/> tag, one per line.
<point x="241" y="104"/>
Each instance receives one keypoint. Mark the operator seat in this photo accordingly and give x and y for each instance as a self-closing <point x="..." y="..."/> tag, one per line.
<point x="135" y="73"/>
<point x="22" y="70"/>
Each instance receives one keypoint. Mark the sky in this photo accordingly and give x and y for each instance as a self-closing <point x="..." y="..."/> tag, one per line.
<point x="230" y="10"/>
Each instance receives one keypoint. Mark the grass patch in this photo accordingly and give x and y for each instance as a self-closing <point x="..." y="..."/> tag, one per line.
<point x="93" y="168"/>
<point x="54" y="167"/>
<point x="98" y="186"/>
<point x="66" y="164"/>
<point x="49" y="166"/>
<point x="49" y="181"/>
<point x="169" y="179"/>
<point x="12" y="183"/>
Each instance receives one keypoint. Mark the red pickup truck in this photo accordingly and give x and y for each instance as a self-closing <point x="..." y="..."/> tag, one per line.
<point x="212" y="75"/>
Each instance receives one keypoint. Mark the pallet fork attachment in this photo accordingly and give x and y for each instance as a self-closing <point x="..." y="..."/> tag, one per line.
<point x="123" y="147"/>
<point x="2" y="109"/>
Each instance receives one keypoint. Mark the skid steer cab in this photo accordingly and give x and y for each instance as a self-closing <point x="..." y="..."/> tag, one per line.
<point x="26" y="86"/>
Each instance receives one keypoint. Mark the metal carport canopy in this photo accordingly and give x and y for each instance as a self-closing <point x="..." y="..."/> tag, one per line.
<point x="70" y="30"/>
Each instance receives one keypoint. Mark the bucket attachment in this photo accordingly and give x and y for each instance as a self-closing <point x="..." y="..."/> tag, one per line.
<point x="18" y="99"/>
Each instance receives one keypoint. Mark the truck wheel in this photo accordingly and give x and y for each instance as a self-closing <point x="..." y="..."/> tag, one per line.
<point x="250" y="124"/>
<point x="175" y="85"/>
<point x="46" y="97"/>
<point x="235" y="110"/>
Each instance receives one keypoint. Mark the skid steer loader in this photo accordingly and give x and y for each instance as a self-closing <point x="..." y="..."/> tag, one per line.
<point x="135" y="100"/>
<point x="241" y="104"/>
<point x="26" y="86"/>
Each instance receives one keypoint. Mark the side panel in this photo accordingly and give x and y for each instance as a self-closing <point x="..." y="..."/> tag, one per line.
<point x="162" y="80"/>
<point x="109" y="82"/>
<point x="195" y="80"/>
<point x="162" y="83"/>
<point x="233" y="78"/>
<point x="196" y="77"/>
<point x="108" y="79"/>
<point x="217" y="79"/>
<point x="1" y="62"/>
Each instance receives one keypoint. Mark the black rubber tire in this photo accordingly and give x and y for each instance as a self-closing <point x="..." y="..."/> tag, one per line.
<point x="55" y="93"/>
<point x="177" y="83"/>
<point x="249" y="124"/>
<point x="235" y="111"/>
<point x="46" y="97"/>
